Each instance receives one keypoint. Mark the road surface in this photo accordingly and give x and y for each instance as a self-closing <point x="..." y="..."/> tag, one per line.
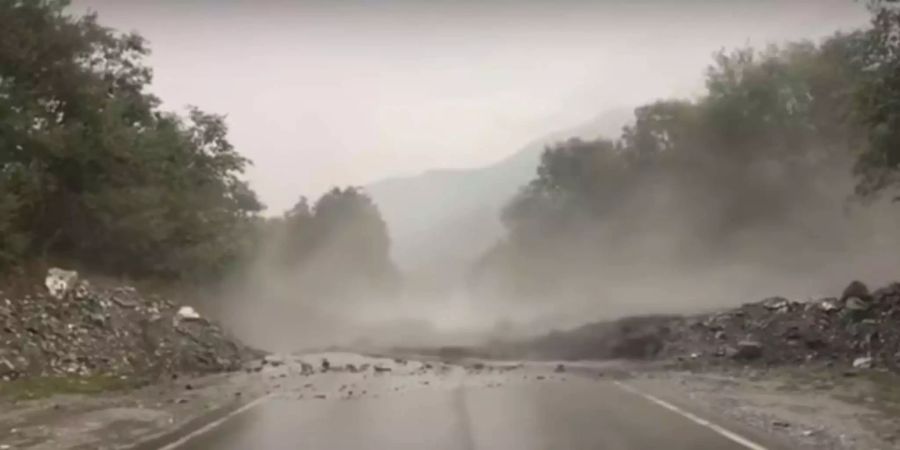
<point x="514" y="410"/>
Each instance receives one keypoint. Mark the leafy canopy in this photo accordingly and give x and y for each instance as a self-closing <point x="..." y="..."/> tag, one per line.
<point x="92" y="170"/>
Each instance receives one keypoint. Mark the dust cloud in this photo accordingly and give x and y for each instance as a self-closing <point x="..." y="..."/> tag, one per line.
<point x="667" y="249"/>
<point x="676" y="245"/>
<point x="727" y="224"/>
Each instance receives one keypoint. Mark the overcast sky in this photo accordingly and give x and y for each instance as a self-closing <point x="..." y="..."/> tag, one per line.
<point x="349" y="92"/>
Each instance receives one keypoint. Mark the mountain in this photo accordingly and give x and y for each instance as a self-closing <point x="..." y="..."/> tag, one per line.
<point x="441" y="220"/>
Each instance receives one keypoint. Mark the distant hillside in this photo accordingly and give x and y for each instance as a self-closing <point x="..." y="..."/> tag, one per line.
<point x="443" y="219"/>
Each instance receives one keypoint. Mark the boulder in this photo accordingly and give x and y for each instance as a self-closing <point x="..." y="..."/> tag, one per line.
<point x="856" y="289"/>
<point x="7" y="369"/>
<point x="778" y="304"/>
<point x="830" y="304"/>
<point x="863" y="363"/>
<point x="60" y="282"/>
<point x="187" y="313"/>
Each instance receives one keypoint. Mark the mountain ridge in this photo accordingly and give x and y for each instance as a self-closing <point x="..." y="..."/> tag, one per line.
<point x="442" y="219"/>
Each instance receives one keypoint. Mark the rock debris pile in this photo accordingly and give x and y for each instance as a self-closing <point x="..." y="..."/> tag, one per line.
<point x="73" y="328"/>
<point x="859" y="329"/>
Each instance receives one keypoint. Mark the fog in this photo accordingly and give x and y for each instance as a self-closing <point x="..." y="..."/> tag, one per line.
<point x="322" y="94"/>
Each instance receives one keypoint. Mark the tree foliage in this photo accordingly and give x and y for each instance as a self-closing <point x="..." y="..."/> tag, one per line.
<point x="339" y="245"/>
<point x="879" y="102"/>
<point x="772" y="133"/>
<point x="771" y="122"/>
<point x="343" y="226"/>
<point x="92" y="170"/>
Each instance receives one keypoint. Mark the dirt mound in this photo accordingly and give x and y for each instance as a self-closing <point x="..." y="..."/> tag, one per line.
<point x="72" y="328"/>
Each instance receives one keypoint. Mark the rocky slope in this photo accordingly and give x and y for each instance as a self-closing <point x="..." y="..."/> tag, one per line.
<point x="70" y="328"/>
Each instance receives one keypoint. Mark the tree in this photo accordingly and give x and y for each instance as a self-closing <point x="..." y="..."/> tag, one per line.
<point x="351" y="235"/>
<point x="290" y="238"/>
<point x="879" y="103"/>
<point x="574" y="179"/>
<point x="767" y="140"/>
<point x="337" y="247"/>
<point x="92" y="170"/>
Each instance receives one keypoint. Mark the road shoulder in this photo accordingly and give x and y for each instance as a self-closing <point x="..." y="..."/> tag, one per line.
<point x="819" y="410"/>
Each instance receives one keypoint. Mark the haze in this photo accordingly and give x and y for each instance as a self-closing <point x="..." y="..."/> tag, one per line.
<point x="390" y="95"/>
<point x="334" y="93"/>
<point x="480" y="224"/>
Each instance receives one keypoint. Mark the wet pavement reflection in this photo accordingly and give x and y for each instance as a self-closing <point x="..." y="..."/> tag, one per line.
<point x="458" y="409"/>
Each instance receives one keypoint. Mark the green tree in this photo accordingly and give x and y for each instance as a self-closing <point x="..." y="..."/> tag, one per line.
<point x="351" y="234"/>
<point x="337" y="247"/>
<point x="297" y="234"/>
<point x="772" y="133"/>
<point x="879" y="103"/>
<point x="92" y="170"/>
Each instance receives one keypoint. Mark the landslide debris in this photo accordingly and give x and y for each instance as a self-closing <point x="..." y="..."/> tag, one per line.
<point x="859" y="329"/>
<point x="71" y="328"/>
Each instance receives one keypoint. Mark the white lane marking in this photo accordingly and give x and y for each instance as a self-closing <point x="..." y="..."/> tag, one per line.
<point x="698" y="420"/>
<point x="208" y="427"/>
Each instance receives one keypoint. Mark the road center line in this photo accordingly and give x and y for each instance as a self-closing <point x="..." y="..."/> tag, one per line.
<point x="210" y="426"/>
<point x="694" y="418"/>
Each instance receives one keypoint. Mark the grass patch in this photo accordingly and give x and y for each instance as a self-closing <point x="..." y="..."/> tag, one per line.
<point x="43" y="387"/>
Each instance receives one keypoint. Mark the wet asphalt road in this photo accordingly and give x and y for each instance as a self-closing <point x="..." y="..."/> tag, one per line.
<point x="568" y="413"/>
